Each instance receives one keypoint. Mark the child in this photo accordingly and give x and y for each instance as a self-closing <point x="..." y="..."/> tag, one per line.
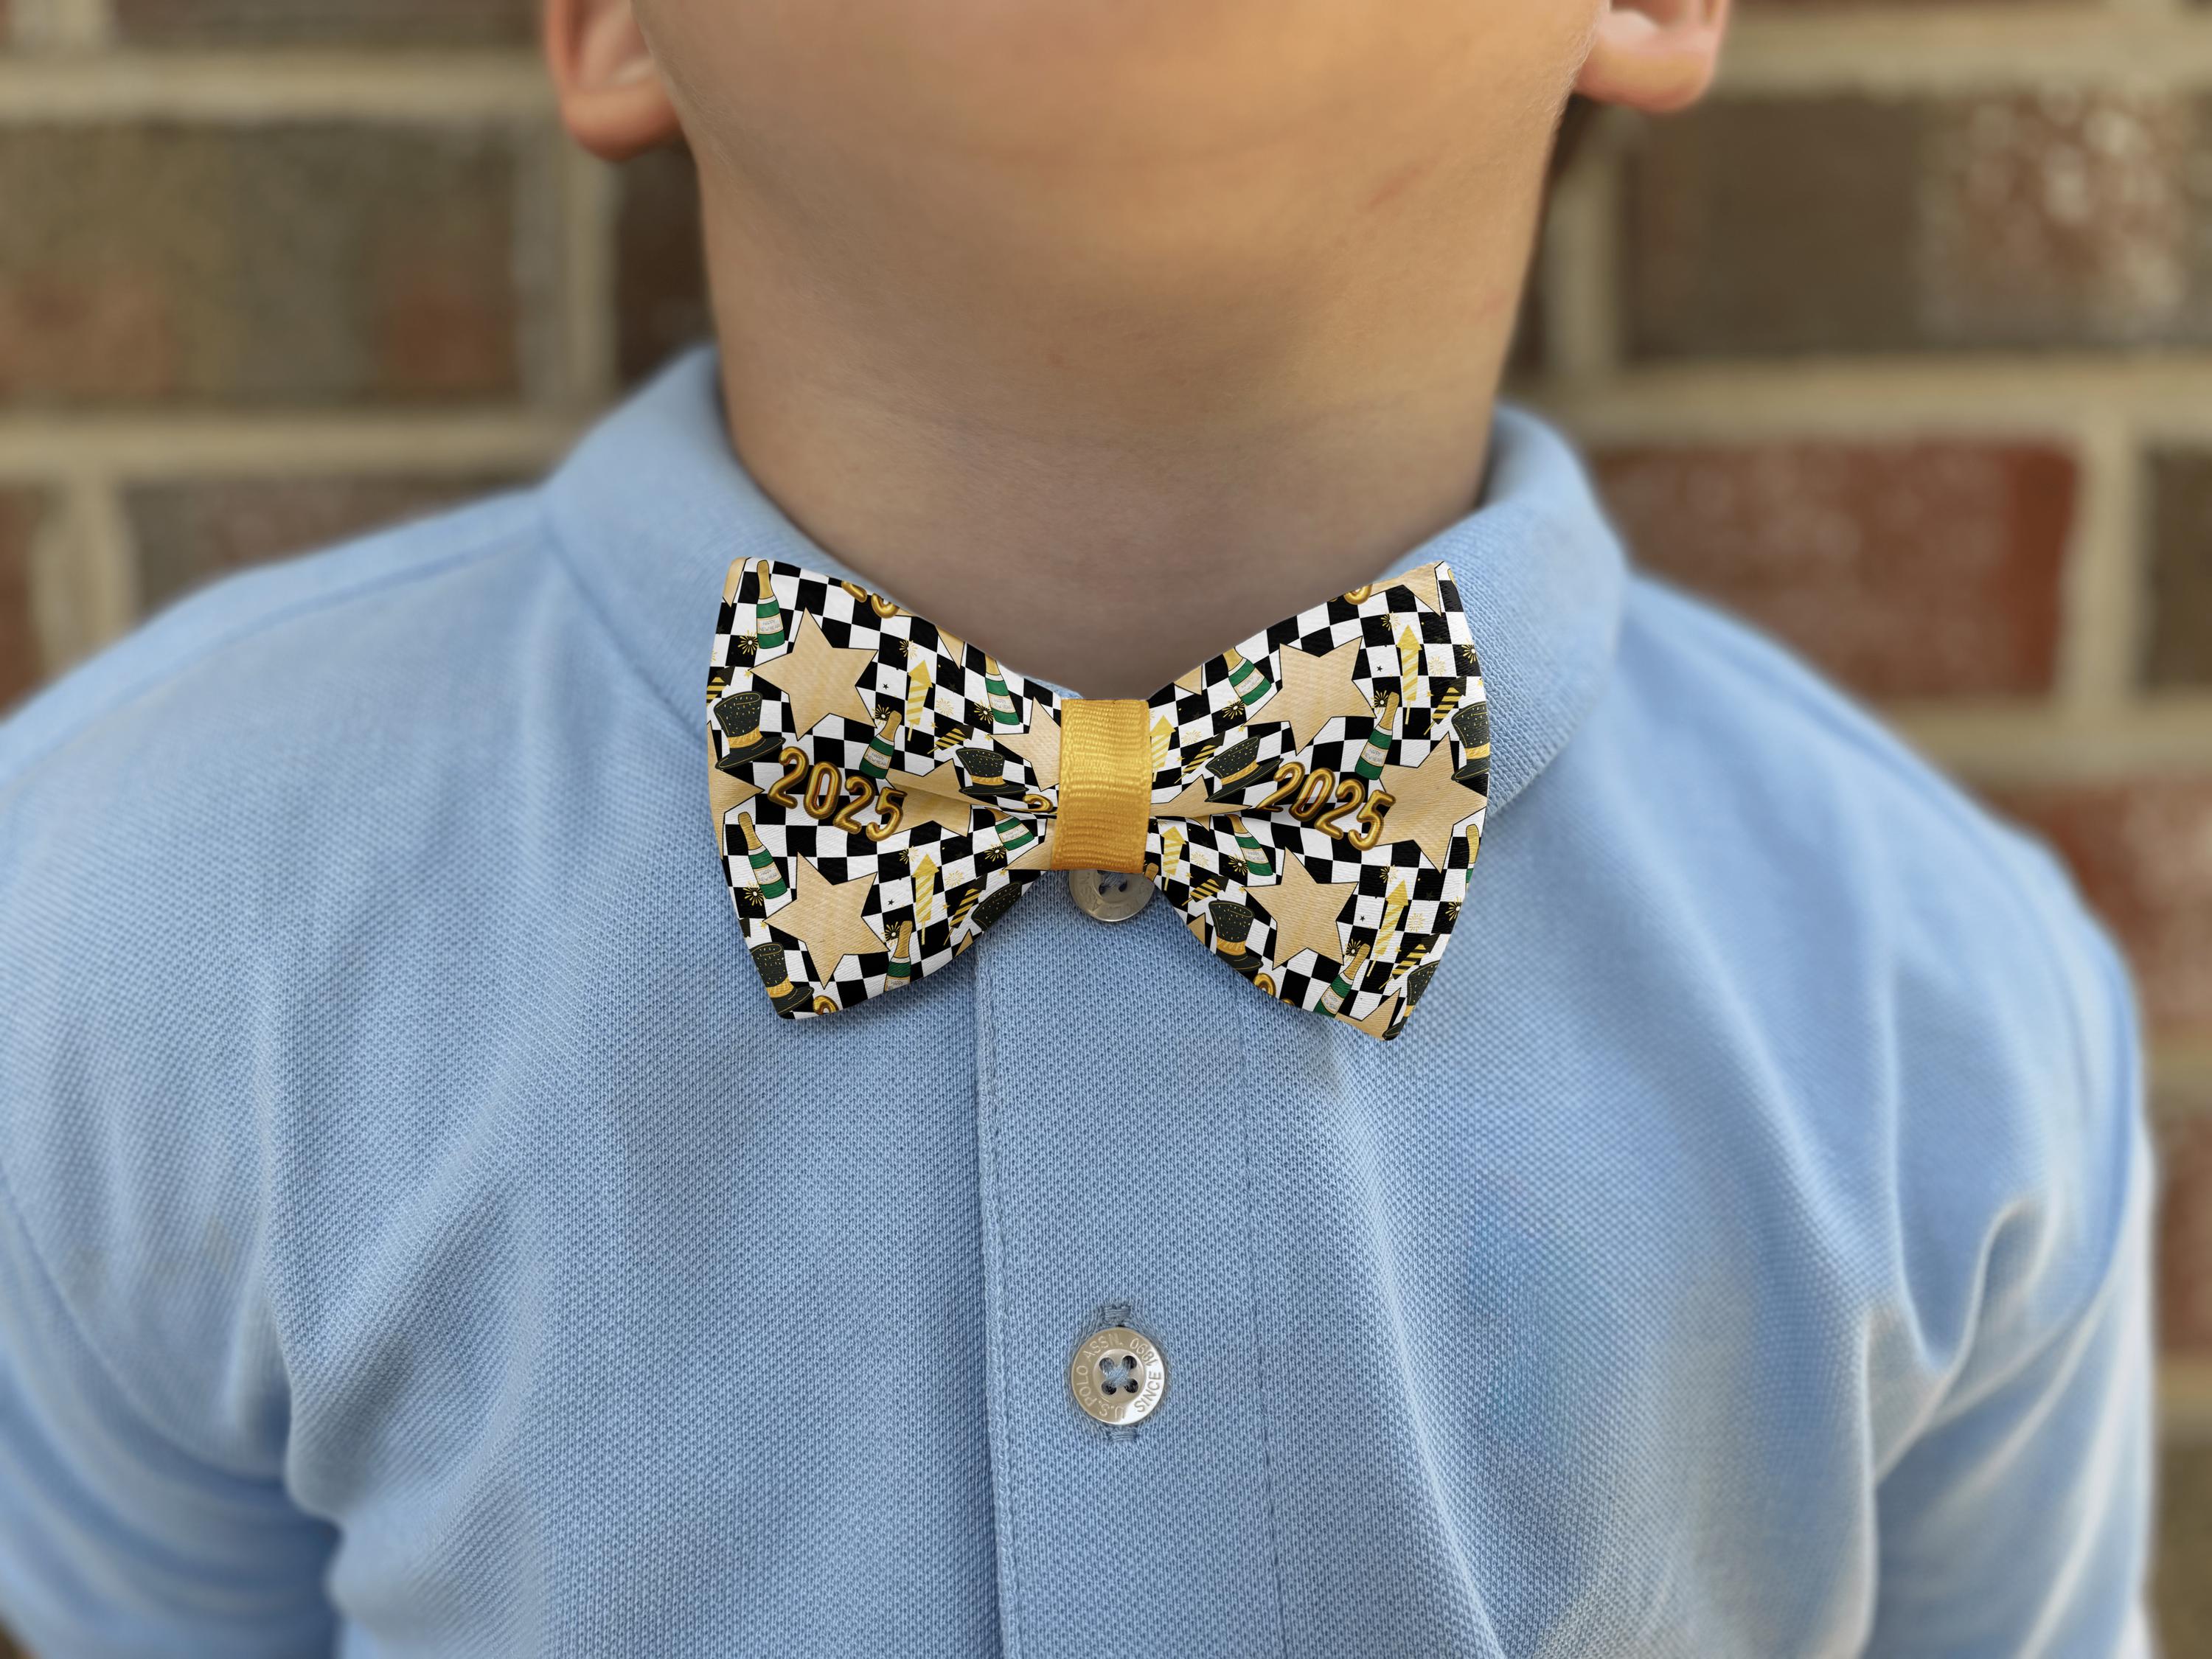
<point x="871" y="1024"/>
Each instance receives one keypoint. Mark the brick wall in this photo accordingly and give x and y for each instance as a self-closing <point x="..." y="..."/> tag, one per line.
<point x="1902" y="346"/>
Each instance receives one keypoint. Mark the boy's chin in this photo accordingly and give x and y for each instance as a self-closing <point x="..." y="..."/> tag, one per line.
<point x="1141" y="83"/>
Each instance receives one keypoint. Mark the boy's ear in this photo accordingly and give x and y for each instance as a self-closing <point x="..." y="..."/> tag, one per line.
<point x="1657" y="56"/>
<point x="612" y="98"/>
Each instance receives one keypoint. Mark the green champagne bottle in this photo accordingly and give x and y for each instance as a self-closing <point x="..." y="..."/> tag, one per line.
<point x="1003" y="712"/>
<point x="877" y="762"/>
<point x="901" y="967"/>
<point x="765" y="877"/>
<point x="1257" y="864"/>
<point x="1248" y="680"/>
<point x="1341" y="989"/>
<point x="768" y="626"/>
<point x="1379" y="739"/>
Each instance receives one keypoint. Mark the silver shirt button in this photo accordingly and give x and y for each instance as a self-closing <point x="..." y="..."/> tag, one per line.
<point x="1107" y="895"/>
<point x="1118" y="1375"/>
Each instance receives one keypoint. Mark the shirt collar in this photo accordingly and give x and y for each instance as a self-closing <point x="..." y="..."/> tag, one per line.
<point x="653" y="504"/>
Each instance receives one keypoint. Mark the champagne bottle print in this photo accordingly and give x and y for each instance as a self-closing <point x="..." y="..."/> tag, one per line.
<point x="1342" y="987"/>
<point x="878" y="761"/>
<point x="763" y="865"/>
<point x="902" y="967"/>
<point x="1003" y="712"/>
<point x="1014" y="837"/>
<point x="768" y="615"/>
<point x="1257" y="864"/>
<point x="1248" y="680"/>
<point x="1379" y="739"/>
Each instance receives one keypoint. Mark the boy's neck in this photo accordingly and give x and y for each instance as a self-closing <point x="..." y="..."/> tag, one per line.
<point x="1100" y="486"/>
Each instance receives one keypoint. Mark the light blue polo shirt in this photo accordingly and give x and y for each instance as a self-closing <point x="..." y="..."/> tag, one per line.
<point x="418" y="1235"/>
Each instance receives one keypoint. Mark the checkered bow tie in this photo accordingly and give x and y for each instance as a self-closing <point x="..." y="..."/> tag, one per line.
<point x="1312" y="801"/>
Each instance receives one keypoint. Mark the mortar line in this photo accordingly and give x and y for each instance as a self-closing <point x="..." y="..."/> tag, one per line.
<point x="142" y="447"/>
<point x="276" y="84"/>
<point x="1580" y="264"/>
<point x="2103" y="573"/>
<point x="1883" y="394"/>
<point x="590" y="200"/>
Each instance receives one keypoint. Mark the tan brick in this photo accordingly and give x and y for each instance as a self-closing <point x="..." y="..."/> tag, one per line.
<point x="188" y="533"/>
<point x="303" y="22"/>
<point x="2142" y="850"/>
<point x="1906" y="570"/>
<point x="307" y="263"/>
<point x="1767" y="225"/>
<point x="661" y="281"/>
<point x="2184" y="1589"/>
<point x="23" y="660"/>
<point x="2178" y="640"/>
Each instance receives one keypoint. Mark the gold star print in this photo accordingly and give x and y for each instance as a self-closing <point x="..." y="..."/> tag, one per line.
<point x="1423" y="584"/>
<point x="825" y="917"/>
<point x="820" y="679"/>
<point x="1417" y="790"/>
<point x="1305" y="912"/>
<point x="1039" y="746"/>
<point x="1378" y="1021"/>
<point x="927" y="806"/>
<point x="1316" y="689"/>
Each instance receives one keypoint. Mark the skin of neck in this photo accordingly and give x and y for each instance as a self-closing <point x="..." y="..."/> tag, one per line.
<point x="1104" y="397"/>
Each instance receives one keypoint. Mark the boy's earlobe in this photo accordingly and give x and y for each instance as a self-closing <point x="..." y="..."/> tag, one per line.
<point x="1657" y="56"/>
<point x="613" y="100"/>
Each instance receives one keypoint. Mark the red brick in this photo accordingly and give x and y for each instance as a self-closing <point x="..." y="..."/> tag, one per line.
<point x="320" y="22"/>
<point x="307" y="263"/>
<point x="1905" y="570"/>
<point x="2185" y="1230"/>
<point x="660" y="279"/>
<point x="2058" y="218"/>
<point x="1761" y="226"/>
<point x="2142" y="850"/>
<point x="2177" y="642"/>
<point x="188" y="533"/>
<point x="22" y="662"/>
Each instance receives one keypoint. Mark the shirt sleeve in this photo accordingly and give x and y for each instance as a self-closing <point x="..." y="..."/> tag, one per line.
<point x="115" y="1540"/>
<point x="2017" y="1523"/>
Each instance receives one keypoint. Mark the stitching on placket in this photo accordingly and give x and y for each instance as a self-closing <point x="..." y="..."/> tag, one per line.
<point x="1245" y="1094"/>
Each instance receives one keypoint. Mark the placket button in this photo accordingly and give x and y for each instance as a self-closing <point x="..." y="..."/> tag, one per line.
<point x="1118" y="1375"/>
<point x="1108" y="895"/>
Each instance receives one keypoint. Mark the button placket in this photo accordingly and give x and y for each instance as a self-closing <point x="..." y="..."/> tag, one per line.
<point x="1113" y="1192"/>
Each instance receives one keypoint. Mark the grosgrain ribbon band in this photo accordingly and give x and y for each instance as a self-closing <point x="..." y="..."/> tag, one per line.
<point x="1105" y="785"/>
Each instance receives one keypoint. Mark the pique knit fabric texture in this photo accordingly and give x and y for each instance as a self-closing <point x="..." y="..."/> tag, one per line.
<point x="419" y="1235"/>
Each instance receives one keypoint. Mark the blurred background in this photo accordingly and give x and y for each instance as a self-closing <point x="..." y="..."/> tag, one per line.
<point x="1901" y="347"/>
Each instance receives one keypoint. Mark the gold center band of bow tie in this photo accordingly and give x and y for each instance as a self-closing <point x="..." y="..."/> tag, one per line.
<point x="1105" y="785"/>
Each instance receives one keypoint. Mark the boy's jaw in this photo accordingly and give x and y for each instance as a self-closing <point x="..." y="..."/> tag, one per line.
<point x="1037" y="315"/>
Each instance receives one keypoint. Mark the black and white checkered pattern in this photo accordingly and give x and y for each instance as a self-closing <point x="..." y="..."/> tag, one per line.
<point x="950" y="884"/>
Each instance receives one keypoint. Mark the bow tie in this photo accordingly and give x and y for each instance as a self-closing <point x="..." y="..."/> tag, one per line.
<point x="1312" y="801"/>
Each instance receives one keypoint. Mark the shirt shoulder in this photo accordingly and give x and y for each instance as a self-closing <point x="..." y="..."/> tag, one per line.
<point x="202" y="827"/>
<point x="234" y="638"/>
<point x="1823" y="788"/>
<point x="1959" y="1032"/>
